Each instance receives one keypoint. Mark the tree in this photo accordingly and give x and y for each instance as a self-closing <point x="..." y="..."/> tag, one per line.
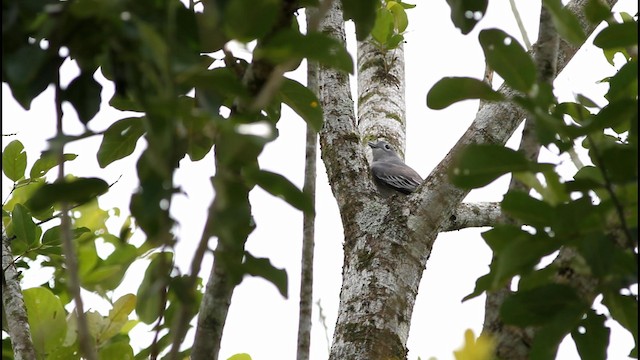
<point x="152" y="52"/>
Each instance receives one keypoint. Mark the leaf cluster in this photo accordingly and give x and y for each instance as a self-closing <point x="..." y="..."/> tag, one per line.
<point x="594" y="213"/>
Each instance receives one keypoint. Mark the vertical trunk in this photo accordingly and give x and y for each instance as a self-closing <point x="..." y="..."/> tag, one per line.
<point x="308" y="227"/>
<point x="13" y="307"/>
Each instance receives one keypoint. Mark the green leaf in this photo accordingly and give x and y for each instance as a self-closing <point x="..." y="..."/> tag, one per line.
<point x="617" y="35"/>
<point x="247" y="20"/>
<point x="303" y="101"/>
<point x="363" y="14"/>
<point x="116" y="350"/>
<point x="530" y="211"/>
<point x="592" y="337"/>
<point x="479" y="164"/>
<point x="23" y="226"/>
<point x="596" y="11"/>
<point x="240" y="356"/>
<point x="624" y="309"/>
<point x="550" y="335"/>
<point x="118" y="316"/>
<point x="14" y="160"/>
<point x="47" y="162"/>
<point x="262" y="267"/>
<point x="29" y="71"/>
<point x="450" y="90"/>
<point x="383" y="26"/>
<point x="84" y="94"/>
<point x="537" y="306"/>
<point x="516" y="252"/>
<point x="400" y="19"/>
<point x="465" y="14"/>
<point x="279" y="186"/>
<point x="120" y="140"/>
<point x="566" y="22"/>
<point x="76" y="191"/>
<point x="46" y="319"/>
<point x="292" y="45"/>
<point x="52" y="236"/>
<point x="624" y="84"/>
<point x="150" y="300"/>
<point x="507" y="57"/>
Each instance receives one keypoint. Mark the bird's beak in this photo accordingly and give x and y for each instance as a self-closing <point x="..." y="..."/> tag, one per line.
<point x="372" y="144"/>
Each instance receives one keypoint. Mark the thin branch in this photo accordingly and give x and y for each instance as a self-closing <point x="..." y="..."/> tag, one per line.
<point x="523" y="31"/>
<point x="308" y="227"/>
<point x="87" y="347"/>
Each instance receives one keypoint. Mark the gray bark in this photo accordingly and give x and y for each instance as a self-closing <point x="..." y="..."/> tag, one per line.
<point x="15" y="312"/>
<point x="388" y="242"/>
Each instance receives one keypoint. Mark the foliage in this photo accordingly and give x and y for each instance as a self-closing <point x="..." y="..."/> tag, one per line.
<point x="594" y="212"/>
<point x="169" y="63"/>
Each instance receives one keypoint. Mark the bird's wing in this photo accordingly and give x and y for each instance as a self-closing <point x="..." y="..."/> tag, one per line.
<point x="399" y="177"/>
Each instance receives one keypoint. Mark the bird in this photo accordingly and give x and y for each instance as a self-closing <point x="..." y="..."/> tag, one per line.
<point x="390" y="174"/>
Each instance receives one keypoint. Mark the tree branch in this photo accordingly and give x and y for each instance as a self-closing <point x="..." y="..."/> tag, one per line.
<point x="468" y="215"/>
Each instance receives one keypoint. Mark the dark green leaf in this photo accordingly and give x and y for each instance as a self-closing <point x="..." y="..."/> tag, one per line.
<point x="151" y="302"/>
<point x="530" y="211"/>
<point x="480" y="164"/>
<point x="450" y="90"/>
<point x="277" y="185"/>
<point x="596" y="11"/>
<point x="84" y="94"/>
<point x="566" y="22"/>
<point x="482" y="284"/>
<point x="76" y="191"/>
<point x="291" y="45"/>
<point x="47" y="162"/>
<point x="621" y="163"/>
<point x="537" y="306"/>
<point x="592" y="337"/>
<point x="505" y="55"/>
<point x="617" y="36"/>
<point x="516" y="252"/>
<point x="52" y="236"/>
<point x="550" y="335"/>
<point x="624" y="84"/>
<point x="29" y="70"/>
<point x="23" y="226"/>
<point x="465" y="14"/>
<point x="624" y="309"/>
<point x="14" y="160"/>
<point x="247" y="20"/>
<point x="262" y="267"/>
<point x="120" y="140"/>
<point x="303" y="101"/>
<point x="363" y="14"/>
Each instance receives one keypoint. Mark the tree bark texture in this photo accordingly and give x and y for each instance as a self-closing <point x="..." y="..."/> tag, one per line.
<point x="381" y="100"/>
<point x="387" y="242"/>
<point x="14" y="308"/>
<point x="308" y="230"/>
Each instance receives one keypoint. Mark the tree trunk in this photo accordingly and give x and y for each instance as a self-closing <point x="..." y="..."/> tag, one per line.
<point x="387" y="242"/>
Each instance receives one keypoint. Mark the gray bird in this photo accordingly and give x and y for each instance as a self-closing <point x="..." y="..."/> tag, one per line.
<point x="390" y="173"/>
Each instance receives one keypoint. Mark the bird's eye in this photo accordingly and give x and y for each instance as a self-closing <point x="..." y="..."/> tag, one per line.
<point x="386" y="146"/>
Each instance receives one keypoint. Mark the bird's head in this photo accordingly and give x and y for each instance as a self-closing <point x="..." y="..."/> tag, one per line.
<point x="382" y="150"/>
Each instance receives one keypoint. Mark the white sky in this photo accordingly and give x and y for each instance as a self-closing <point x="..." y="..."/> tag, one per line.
<point x="260" y="321"/>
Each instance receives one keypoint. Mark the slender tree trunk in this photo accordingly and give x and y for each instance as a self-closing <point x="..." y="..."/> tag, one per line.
<point x="308" y="227"/>
<point x="13" y="307"/>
